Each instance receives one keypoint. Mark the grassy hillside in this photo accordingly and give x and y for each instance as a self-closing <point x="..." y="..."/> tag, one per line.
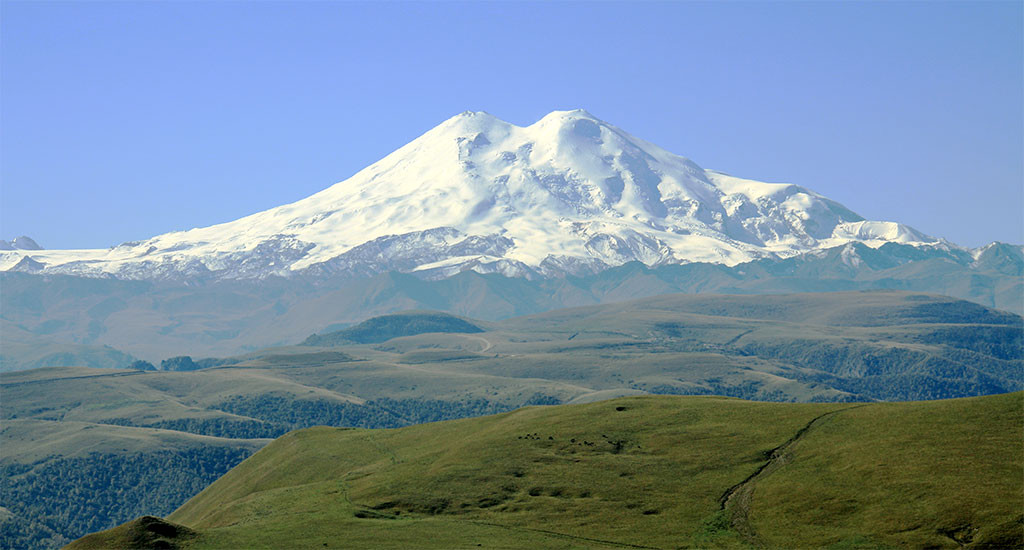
<point x="828" y="347"/>
<point x="648" y="472"/>
<point x="386" y="327"/>
<point x="807" y="347"/>
<point x="23" y="350"/>
<point x="61" y="479"/>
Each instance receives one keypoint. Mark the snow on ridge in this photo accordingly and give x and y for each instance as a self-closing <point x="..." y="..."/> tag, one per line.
<point x="881" y="231"/>
<point x="568" y="192"/>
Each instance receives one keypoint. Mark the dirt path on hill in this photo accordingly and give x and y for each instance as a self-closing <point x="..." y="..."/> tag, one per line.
<point x="62" y="378"/>
<point x="487" y="343"/>
<point x="738" y="499"/>
<point x="372" y="439"/>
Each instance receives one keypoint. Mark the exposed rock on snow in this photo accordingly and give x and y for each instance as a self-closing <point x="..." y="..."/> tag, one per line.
<point x="568" y="194"/>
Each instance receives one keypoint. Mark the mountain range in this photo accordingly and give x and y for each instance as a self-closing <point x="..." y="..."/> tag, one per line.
<point x="62" y="320"/>
<point x="567" y="195"/>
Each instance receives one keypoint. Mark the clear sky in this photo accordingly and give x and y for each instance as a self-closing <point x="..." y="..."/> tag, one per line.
<point x="124" y="120"/>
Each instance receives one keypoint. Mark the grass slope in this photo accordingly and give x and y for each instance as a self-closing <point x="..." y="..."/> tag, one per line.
<point x="23" y="350"/>
<point x="851" y="346"/>
<point x="386" y="327"/>
<point x="650" y="472"/>
<point x="60" y="480"/>
<point x="35" y="441"/>
<point x="144" y="532"/>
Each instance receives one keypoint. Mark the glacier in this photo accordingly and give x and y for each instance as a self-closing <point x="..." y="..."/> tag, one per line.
<point x="569" y="194"/>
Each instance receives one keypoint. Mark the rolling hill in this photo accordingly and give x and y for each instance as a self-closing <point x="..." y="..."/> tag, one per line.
<point x="384" y="328"/>
<point x="639" y="472"/>
<point x="59" y="479"/>
<point x="156" y="320"/>
<point x="826" y="347"/>
<point x="23" y="350"/>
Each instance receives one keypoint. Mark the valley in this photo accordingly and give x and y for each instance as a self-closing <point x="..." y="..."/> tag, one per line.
<point x="59" y="320"/>
<point x="421" y="367"/>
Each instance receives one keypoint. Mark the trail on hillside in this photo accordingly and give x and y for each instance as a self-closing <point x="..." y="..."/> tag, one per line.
<point x="738" y="336"/>
<point x="44" y="380"/>
<point x="738" y="499"/>
<point x="486" y="342"/>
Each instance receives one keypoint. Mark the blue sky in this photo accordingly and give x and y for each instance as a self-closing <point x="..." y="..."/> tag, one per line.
<point x="124" y="120"/>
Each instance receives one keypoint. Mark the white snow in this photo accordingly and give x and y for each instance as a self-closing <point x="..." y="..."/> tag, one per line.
<point x="568" y="186"/>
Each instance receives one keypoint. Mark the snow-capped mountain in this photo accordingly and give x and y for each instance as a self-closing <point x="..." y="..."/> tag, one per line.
<point x="568" y="194"/>
<point x="20" y="243"/>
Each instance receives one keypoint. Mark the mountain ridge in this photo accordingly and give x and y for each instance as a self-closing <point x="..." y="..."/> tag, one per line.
<point x="569" y="194"/>
<point x="154" y="320"/>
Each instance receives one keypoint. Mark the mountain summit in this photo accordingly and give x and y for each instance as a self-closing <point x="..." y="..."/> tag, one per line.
<point x="567" y="194"/>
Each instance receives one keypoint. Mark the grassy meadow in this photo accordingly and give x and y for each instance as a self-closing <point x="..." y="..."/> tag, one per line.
<point x="64" y="427"/>
<point x="648" y="472"/>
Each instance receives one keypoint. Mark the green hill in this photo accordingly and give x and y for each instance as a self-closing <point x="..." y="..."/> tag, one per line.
<point x="65" y="478"/>
<point x="386" y="327"/>
<point x="827" y="347"/>
<point x="643" y="472"/>
<point x="24" y="350"/>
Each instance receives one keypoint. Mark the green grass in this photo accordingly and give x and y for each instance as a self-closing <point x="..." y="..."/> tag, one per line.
<point x="812" y="347"/>
<point x="386" y="327"/>
<point x="966" y="483"/>
<point x="25" y="350"/>
<point x="815" y="347"/>
<point x="145" y="532"/>
<point x="645" y="471"/>
<point x="32" y="442"/>
<point x="664" y="474"/>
